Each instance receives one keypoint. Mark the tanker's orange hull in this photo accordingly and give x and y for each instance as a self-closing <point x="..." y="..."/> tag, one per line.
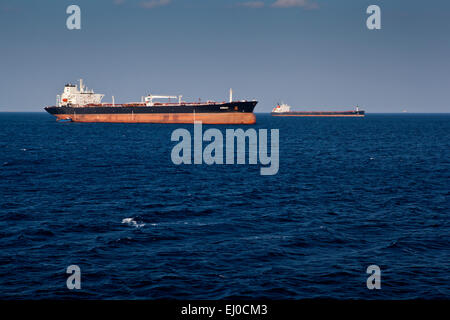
<point x="206" y="118"/>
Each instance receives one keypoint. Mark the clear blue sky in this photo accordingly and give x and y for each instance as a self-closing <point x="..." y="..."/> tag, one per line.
<point x="311" y="54"/>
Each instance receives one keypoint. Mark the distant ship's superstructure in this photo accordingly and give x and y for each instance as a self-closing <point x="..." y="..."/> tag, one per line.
<point x="83" y="105"/>
<point x="281" y="108"/>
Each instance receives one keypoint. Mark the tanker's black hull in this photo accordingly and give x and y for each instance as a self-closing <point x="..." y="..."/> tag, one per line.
<point x="240" y="112"/>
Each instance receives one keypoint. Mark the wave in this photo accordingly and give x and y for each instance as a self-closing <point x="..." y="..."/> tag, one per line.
<point x="133" y="223"/>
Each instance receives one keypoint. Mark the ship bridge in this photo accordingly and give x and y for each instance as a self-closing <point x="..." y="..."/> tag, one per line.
<point x="79" y="97"/>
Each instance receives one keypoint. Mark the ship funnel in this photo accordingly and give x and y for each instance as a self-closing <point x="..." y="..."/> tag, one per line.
<point x="81" y="85"/>
<point x="231" y="95"/>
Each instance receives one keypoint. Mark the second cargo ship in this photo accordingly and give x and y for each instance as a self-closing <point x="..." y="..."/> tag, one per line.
<point x="83" y="105"/>
<point x="285" y="110"/>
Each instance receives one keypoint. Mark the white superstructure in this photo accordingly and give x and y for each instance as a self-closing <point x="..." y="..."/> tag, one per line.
<point x="282" y="108"/>
<point x="78" y="97"/>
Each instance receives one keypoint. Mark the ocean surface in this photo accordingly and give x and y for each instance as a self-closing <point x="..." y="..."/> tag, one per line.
<point x="350" y="192"/>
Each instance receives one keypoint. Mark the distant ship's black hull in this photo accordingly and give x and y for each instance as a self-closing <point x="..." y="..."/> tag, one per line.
<point x="359" y="113"/>
<point x="240" y="112"/>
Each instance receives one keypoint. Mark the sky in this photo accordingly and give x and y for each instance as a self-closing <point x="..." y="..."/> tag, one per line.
<point x="310" y="54"/>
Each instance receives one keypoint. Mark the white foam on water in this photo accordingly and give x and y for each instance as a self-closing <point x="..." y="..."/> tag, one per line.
<point x="132" y="222"/>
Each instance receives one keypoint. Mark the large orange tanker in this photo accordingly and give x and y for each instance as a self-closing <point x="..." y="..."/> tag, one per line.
<point x="82" y="105"/>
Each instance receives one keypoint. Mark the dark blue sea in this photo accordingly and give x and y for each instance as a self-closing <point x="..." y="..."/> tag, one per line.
<point x="350" y="192"/>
